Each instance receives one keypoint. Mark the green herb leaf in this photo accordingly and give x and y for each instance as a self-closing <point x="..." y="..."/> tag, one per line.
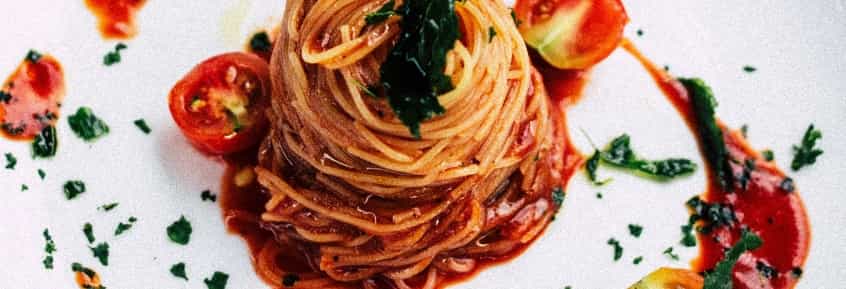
<point x="178" y="271"/>
<point x="619" y="153"/>
<point x="11" y="161"/>
<point x="33" y="56"/>
<point x="41" y="174"/>
<point x="618" y="250"/>
<point x="637" y="260"/>
<point x="217" y="281"/>
<point x="806" y="153"/>
<point x="365" y="89"/>
<point x="669" y="253"/>
<point x="48" y="262"/>
<point x="208" y="196"/>
<point x="599" y="196"/>
<point x="385" y="12"/>
<point x="107" y="207"/>
<point x="24" y="188"/>
<point x="517" y="22"/>
<point x="412" y="74"/>
<point x="721" y="277"/>
<point x="180" y="231"/>
<point x="45" y="143"/>
<point x="491" y="34"/>
<point x="5" y="97"/>
<point x="260" y="42"/>
<point x="787" y="185"/>
<point x="72" y="189"/>
<point x="76" y="267"/>
<point x="591" y="165"/>
<point x="635" y="230"/>
<point x="640" y="32"/>
<point x="713" y="215"/>
<point x="710" y="134"/>
<point x="749" y="69"/>
<point x="88" y="230"/>
<point x="290" y="279"/>
<point x="558" y="196"/>
<point x="142" y="125"/>
<point x="123" y="227"/>
<point x="49" y="249"/>
<point x="768" y="155"/>
<point x="86" y="125"/>
<point x="113" y="56"/>
<point x="101" y="252"/>
<point x="688" y="239"/>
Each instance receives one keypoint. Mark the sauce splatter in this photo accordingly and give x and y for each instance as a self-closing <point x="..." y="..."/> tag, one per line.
<point x="769" y="206"/>
<point x="31" y="96"/>
<point x="116" y="18"/>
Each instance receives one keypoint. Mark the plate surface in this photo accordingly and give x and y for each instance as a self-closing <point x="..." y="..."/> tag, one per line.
<point x="796" y="45"/>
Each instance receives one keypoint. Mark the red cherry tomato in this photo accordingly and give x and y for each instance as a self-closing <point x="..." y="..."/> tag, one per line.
<point x="572" y="34"/>
<point x="219" y="105"/>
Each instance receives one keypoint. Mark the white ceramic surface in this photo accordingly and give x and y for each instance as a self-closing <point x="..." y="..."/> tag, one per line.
<point x="796" y="46"/>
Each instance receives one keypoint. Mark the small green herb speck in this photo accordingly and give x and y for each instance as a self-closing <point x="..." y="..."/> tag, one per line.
<point x="45" y="143"/>
<point x="72" y="189"/>
<point x="260" y="42"/>
<point x="618" y="250"/>
<point x="688" y="239"/>
<point x="749" y="69"/>
<point x="768" y="155"/>
<point x="24" y="188"/>
<point x="669" y="253"/>
<point x="49" y="249"/>
<point x="33" y="56"/>
<point x="113" y="57"/>
<point x="385" y="12"/>
<point x="217" y="281"/>
<point x="290" y="279"/>
<point x="637" y="260"/>
<point x="787" y="185"/>
<point x="107" y="207"/>
<point x="721" y="277"/>
<point x="635" y="230"/>
<point x="180" y="231"/>
<point x="514" y="18"/>
<point x="86" y="125"/>
<point x="640" y="32"/>
<point x="123" y="227"/>
<point x="558" y="196"/>
<point x="101" y="252"/>
<point x="208" y="196"/>
<point x="599" y="196"/>
<point x="88" y="230"/>
<point x="41" y="174"/>
<point x="491" y="34"/>
<point x="806" y="153"/>
<point x="142" y="125"/>
<point x="11" y="161"/>
<point x="76" y="267"/>
<point x="178" y="271"/>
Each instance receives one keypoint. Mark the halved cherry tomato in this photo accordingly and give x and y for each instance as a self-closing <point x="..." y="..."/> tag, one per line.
<point x="220" y="104"/>
<point x="30" y="98"/>
<point x="572" y="34"/>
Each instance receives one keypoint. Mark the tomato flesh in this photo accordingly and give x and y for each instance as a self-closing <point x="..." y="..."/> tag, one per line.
<point x="572" y="34"/>
<point x="30" y="98"/>
<point x="219" y="105"/>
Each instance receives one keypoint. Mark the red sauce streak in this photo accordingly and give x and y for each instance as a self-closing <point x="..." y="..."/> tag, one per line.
<point x="31" y="97"/>
<point x="241" y="206"/>
<point x="776" y="215"/>
<point x="116" y="18"/>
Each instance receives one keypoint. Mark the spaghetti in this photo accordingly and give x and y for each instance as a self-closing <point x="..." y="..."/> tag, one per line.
<point x="363" y="204"/>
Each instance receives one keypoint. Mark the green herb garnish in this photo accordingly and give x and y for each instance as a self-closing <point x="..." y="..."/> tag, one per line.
<point x="514" y="18"/>
<point x="123" y="227"/>
<point x="142" y="125"/>
<point x="107" y="207"/>
<point x="635" y="230"/>
<point x="217" y="281"/>
<point x="290" y="279"/>
<point x="765" y="270"/>
<point x="72" y="189"/>
<point x="669" y="253"/>
<point x="558" y="196"/>
<point x="41" y="174"/>
<point x="11" y="161"/>
<point x="787" y="185"/>
<point x="637" y="260"/>
<point x="5" y="97"/>
<point x="49" y="249"/>
<point x="208" y="196"/>
<point x="367" y="90"/>
<point x="33" y="56"/>
<point x="688" y="239"/>
<point x="618" y="250"/>
<point x="76" y="267"/>
<point x="713" y="215"/>
<point x="599" y="196"/>
<point x="86" y="125"/>
<point x="768" y="155"/>
<point x="178" y="271"/>
<point x="101" y="252"/>
<point x="710" y="135"/>
<point x="385" y="12"/>
<point x="45" y="143"/>
<point x="412" y="74"/>
<point x="591" y="165"/>
<point x="260" y="42"/>
<point x="640" y="32"/>
<point x="88" y="230"/>
<point x="180" y="231"/>
<point x="113" y="56"/>
<point x="619" y="153"/>
<point x="806" y="153"/>
<point x="749" y="69"/>
<point x="721" y="277"/>
<point x="491" y="34"/>
<point x="24" y="188"/>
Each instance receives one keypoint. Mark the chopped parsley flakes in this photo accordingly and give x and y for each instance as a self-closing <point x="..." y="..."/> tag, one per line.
<point x="107" y="207"/>
<point x="618" y="250"/>
<point x="180" y="231"/>
<point x="24" y="188"/>
<point x="178" y="271"/>
<point x="260" y="42"/>
<point x="88" y="230"/>
<point x="385" y="12"/>
<point x="558" y="196"/>
<point x="45" y="143"/>
<point x="749" y="69"/>
<point x="290" y="279"/>
<point x="637" y="260"/>
<point x="11" y="161"/>
<point x="123" y="227"/>
<point x="635" y="230"/>
<point x="208" y="196"/>
<point x="591" y="165"/>
<point x="619" y="153"/>
<point x="721" y="277"/>
<point x="768" y="155"/>
<point x="49" y="249"/>
<point x="113" y="56"/>
<point x="72" y="189"/>
<point x="491" y="34"/>
<point x="86" y="125"/>
<point x="33" y="56"/>
<point x="101" y="252"/>
<point x="142" y="125"/>
<point x="76" y="267"/>
<point x="806" y="153"/>
<point x="669" y="253"/>
<point x="217" y="281"/>
<point x="41" y="174"/>
<point x="710" y="134"/>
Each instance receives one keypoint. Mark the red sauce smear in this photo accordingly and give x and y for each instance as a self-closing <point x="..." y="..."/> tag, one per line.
<point x="242" y="205"/>
<point x="31" y="96"/>
<point x="116" y="18"/>
<point x="775" y="214"/>
<point x="86" y="282"/>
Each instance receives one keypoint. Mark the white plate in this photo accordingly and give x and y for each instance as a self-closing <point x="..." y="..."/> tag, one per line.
<point x="796" y="45"/>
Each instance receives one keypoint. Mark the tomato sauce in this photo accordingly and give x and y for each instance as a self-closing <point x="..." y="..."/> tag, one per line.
<point x="31" y="96"/>
<point x="116" y="18"/>
<point x="769" y="207"/>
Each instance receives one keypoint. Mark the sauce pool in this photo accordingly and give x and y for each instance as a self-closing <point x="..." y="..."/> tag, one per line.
<point x="116" y="18"/>
<point x="31" y="96"/>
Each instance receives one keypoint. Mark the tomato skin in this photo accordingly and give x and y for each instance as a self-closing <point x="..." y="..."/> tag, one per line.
<point x="572" y="34"/>
<point x="210" y="128"/>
